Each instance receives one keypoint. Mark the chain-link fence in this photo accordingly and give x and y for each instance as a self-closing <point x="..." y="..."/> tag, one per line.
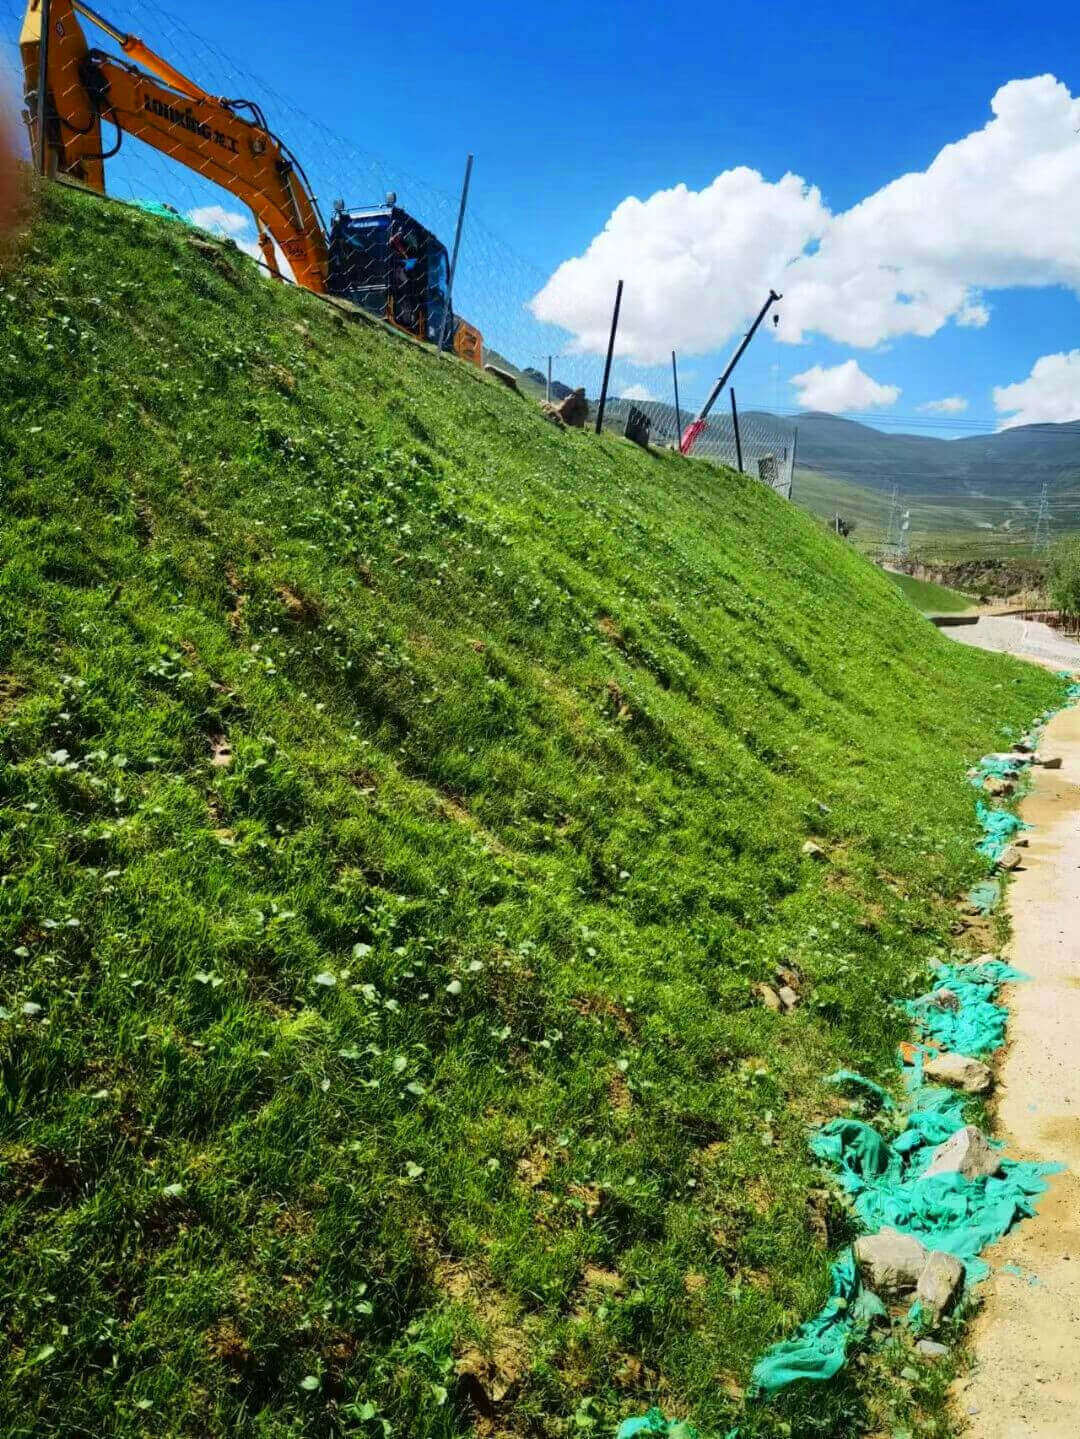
<point x="764" y="447"/>
<point x="140" y="120"/>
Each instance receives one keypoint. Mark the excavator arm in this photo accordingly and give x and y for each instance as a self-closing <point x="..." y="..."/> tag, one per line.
<point x="156" y="104"/>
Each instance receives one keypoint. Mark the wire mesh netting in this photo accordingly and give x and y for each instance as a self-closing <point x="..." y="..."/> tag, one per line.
<point x="764" y="448"/>
<point x="141" y="121"/>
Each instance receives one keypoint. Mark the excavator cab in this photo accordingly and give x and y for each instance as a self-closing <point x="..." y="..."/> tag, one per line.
<point x="388" y="263"/>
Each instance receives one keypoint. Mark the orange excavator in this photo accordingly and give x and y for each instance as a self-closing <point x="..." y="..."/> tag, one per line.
<point x="380" y="258"/>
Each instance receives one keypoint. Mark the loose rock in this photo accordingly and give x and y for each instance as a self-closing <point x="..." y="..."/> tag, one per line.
<point x="1053" y="762"/>
<point x="574" y="410"/>
<point x="769" y="997"/>
<point x="959" y="1072"/>
<point x="967" y="1152"/>
<point x="813" y="850"/>
<point x="890" y="1262"/>
<point x="939" y="1284"/>
<point x="503" y="376"/>
<point x="788" y="998"/>
<point x="995" y="786"/>
<point x="1009" y="858"/>
<point x="931" y="1350"/>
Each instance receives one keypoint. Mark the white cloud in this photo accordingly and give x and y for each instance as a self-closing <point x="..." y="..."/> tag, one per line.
<point x="950" y="405"/>
<point x="636" y="392"/>
<point x="841" y="387"/>
<point x="996" y="209"/>
<point x="1050" y="393"/>
<point x="693" y="262"/>
<point x="231" y="223"/>
<point x="238" y="226"/>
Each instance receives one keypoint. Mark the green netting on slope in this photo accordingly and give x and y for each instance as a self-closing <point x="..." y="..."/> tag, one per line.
<point x="944" y="1211"/>
<point x="654" y="1423"/>
<point x="163" y="212"/>
<point x="885" y="1178"/>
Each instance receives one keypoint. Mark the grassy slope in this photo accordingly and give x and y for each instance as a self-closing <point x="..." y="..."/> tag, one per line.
<point x="929" y="598"/>
<point x="420" y="1035"/>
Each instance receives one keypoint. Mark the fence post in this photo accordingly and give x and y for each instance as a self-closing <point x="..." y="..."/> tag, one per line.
<point x="607" y="363"/>
<point x="42" y="88"/>
<point x="454" y="257"/>
<point x="678" y="411"/>
<point x="549" y="381"/>
<point x="794" y="447"/>
<point x="735" y="422"/>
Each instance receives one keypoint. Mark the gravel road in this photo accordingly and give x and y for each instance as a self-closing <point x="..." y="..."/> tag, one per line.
<point x="1027" y="639"/>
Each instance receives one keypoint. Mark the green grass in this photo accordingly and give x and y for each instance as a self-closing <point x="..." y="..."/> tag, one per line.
<point x="400" y="799"/>
<point x="929" y="598"/>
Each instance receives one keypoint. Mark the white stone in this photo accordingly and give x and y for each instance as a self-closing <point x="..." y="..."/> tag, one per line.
<point x="890" y="1262"/>
<point x="959" y="1072"/>
<point x="939" y="1284"/>
<point x="931" y="1350"/>
<point x="967" y="1152"/>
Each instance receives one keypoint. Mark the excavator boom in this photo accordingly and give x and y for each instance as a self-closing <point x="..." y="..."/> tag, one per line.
<point x="86" y="87"/>
<point x="144" y="96"/>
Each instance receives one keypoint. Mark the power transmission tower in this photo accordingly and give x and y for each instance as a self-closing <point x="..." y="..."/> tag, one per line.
<point x="890" y="550"/>
<point x="1042" y="524"/>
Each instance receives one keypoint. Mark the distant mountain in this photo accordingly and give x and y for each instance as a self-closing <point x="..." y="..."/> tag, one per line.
<point x="1012" y="462"/>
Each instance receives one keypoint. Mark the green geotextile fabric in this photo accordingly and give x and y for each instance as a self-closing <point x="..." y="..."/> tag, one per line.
<point x="999" y="765"/>
<point x="848" y="1079"/>
<point x="818" y="1348"/>
<point x="944" y="1211"/>
<point x="977" y="1024"/>
<point x="985" y="895"/>
<point x="998" y="827"/>
<point x="654" y="1423"/>
<point x="884" y="1175"/>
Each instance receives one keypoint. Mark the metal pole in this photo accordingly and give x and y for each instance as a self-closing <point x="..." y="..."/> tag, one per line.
<point x="42" y="87"/>
<point x="454" y="256"/>
<point x="607" y="363"/>
<point x="699" y="423"/>
<point x="678" y="411"/>
<point x="794" y="446"/>
<point x="549" y="381"/>
<point x="735" y="422"/>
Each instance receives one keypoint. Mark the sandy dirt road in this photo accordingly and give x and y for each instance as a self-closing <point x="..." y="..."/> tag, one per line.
<point x="1026" y="1341"/>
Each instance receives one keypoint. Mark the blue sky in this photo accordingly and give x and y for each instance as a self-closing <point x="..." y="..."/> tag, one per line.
<point x="572" y="110"/>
